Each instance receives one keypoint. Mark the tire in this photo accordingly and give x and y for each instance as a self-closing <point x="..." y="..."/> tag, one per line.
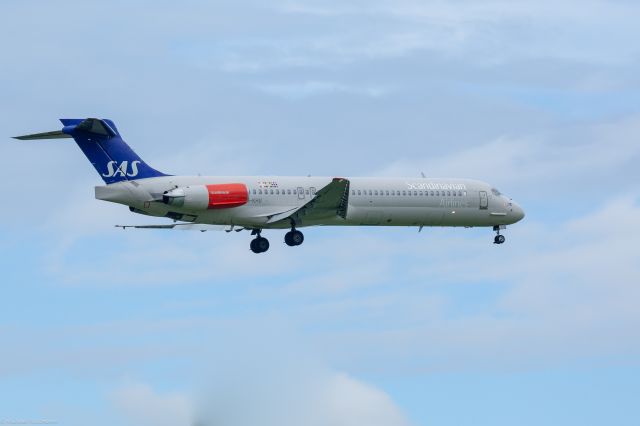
<point x="262" y="244"/>
<point x="288" y="239"/>
<point x="297" y="238"/>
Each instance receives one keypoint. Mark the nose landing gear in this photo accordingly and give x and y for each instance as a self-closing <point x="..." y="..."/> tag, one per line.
<point x="499" y="239"/>
<point x="259" y="244"/>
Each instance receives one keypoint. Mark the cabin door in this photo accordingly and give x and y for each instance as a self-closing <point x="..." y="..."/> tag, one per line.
<point x="484" y="201"/>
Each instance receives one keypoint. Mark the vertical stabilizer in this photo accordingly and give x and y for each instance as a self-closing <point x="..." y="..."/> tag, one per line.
<point x="102" y="144"/>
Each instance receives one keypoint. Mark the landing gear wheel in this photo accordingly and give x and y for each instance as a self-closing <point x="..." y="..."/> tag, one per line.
<point x="259" y="245"/>
<point x="293" y="238"/>
<point x="287" y="239"/>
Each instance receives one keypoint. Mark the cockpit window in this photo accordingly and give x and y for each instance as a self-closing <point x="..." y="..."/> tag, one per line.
<point x="495" y="192"/>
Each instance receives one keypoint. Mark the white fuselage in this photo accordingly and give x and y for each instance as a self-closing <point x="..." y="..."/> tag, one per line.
<point x="371" y="201"/>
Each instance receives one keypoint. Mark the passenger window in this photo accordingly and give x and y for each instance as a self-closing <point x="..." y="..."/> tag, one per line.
<point x="358" y="192"/>
<point x="271" y="191"/>
<point x="294" y="192"/>
<point x="404" y="193"/>
<point x="288" y="192"/>
<point x="370" y="192"/>
<point x="437" y="193"/>
<point x="393" y="192"/>
<point x="454" y="193"/>
<point x="375" y="192"/>
<point x="421" y="193"/>
<point x="254" y="191"/>
<point x="415" y="193"/>
<point x="277" y="192"/>
<point x="387" y="193"/>
<point x="260" y="191"/>
<point x="306" y="191"/>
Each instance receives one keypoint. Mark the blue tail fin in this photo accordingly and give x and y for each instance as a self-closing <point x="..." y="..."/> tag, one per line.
<point x="112" y="158"/>
<point x="103" y="146"/>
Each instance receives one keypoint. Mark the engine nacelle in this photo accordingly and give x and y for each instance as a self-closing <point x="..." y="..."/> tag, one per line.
<point x="205" y="197"/>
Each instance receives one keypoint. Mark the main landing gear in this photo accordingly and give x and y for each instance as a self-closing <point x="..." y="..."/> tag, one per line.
<point x="293" y="237"/>
<point x="259" y="244"/>
<point x="499" y="239"/>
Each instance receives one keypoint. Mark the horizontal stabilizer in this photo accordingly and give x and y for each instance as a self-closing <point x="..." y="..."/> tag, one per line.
<point x="57" y="134"/>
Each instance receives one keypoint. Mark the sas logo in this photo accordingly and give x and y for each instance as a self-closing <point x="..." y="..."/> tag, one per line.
<point x="113" y="169"/>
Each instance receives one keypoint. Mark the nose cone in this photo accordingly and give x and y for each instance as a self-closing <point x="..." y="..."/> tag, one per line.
<point x="517" y="213"/>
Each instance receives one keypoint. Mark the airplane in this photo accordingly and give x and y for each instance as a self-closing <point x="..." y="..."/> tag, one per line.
<point x="257" y="203"/>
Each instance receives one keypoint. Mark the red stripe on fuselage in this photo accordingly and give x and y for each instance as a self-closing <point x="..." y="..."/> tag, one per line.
<point x="227" y="195"/>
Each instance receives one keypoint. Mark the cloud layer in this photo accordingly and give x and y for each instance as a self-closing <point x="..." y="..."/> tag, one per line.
<point x="538" y="98"/>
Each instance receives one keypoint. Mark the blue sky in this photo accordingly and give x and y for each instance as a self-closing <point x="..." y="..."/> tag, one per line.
<point x="356" y="326"/>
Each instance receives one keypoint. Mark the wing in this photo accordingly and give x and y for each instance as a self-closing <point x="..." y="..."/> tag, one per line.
<point x="330" y="201"/>
<point x="185" y="227"/>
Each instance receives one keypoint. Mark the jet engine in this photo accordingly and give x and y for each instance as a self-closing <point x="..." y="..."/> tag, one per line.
<point x="205" y="197"/>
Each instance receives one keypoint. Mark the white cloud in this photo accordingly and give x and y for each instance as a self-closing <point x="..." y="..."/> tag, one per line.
<point x="385" y="300"/>
<point x="317" y="398"/>
<point x="489" y="32"/>
<point x="581" y="158"/>
<point x="555" y="294"/>
<point x="257" y="373"/>
<point x="144" y="406"/>
<point x="278" y="385"/>
<point x="314" y="88"/>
